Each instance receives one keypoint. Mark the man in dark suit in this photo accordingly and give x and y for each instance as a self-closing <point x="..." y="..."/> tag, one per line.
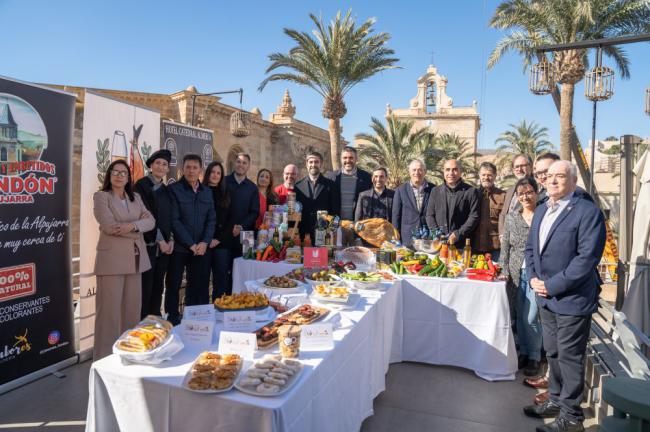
<point x="565" y="244"/>
<point x="160" y="245"/>
<point x="378" y="201"/>
<point x="244" y="201"/>
<point x="453" y="206"/>
<point x="314" y="192"/>
<point x="410" y="202"/>
<point x="350" y="181"/>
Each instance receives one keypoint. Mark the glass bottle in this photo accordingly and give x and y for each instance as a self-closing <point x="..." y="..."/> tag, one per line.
<point x="467" y="254"/>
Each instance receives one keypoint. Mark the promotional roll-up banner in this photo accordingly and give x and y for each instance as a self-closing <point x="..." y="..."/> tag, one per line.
<point x="36" y="316"/>
<point x="112" y="129"/>
<point x="181" y="139"/>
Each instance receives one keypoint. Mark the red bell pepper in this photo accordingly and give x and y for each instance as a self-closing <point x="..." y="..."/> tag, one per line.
<point x="481" y="277"/>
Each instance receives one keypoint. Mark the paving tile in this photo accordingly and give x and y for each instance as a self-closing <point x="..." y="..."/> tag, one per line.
<point x="389" y="419"/>
<point x="49" y="399"/>
<point x="457" y="393"/>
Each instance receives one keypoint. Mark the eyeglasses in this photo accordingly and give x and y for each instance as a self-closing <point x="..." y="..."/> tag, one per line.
<point x="117" y="173"/>
<point x="527" y="193"/>
<point x="541" y="174"/>
<point x="521" y="167"/>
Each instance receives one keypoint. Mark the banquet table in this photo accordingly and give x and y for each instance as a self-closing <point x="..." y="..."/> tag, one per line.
<point x="456" y="322"/>
<point x="430" y="320"/>
<point x="334" y="393"/>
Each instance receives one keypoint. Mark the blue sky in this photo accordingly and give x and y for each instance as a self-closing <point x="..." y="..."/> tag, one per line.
<point x="164" y="46"/>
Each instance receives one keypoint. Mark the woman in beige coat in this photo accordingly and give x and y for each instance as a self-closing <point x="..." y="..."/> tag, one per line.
<point x="121" y="256"/>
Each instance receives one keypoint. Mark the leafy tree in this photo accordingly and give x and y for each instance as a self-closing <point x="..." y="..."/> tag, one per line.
<point x="331" y="60"/>
<point x="532" y="23"/>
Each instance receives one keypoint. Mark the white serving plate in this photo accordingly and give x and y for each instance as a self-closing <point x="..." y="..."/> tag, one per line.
<point x="251" y="390"/>
<point x="351" y="303"/>
<point x="301" y="287"/>
<point x="188" y="375"/>
<point x="262" y="315"/>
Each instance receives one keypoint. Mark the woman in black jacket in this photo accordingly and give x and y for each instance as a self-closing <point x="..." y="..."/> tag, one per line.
<point x="220" y="247"/>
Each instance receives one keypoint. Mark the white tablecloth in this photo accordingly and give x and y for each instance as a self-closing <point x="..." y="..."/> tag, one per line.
<point x="430" y="320"/>
<point x="458" y="322"/>
<point x="246" y="270"/>
<point x="335" y="391"/>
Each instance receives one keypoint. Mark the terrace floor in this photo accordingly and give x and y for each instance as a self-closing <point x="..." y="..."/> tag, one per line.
<point x="418" y="398"/>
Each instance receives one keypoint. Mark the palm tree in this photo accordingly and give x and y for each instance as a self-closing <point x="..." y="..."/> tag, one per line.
<point x="525" y="138"/>
<point x="538" y="22"/>
<point x="331" y="60"/>
<point x="439" y="148"/>
<point x="392" y="146"/>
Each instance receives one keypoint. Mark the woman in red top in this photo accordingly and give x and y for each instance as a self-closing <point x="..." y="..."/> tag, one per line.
<point x="267" y="195"/>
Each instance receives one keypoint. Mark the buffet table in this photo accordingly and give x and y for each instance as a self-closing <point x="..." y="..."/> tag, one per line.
<point x="456" y="322"/>
<point x="431" y="320"/>
<point x="334" y="393"/>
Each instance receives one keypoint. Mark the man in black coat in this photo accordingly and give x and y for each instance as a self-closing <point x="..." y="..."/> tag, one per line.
<point x="160" y="245"/>
<point x="350" y="181"/>
<point x="244" y="201"/>
<point x="453" y="206"/>
<point x="410" y="202"/>
<point x="378" y="201"/>
<point x="314" y="192"/>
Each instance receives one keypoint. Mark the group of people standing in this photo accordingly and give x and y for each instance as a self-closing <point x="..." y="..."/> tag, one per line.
<point x="547" y="233"/>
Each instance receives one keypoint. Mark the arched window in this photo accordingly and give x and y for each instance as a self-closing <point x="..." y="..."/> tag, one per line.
<point x="3" y="154"/>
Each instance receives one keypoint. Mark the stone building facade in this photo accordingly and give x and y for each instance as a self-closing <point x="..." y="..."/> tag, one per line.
<point x="434" y="109"/>
<point x="272" y="143"/>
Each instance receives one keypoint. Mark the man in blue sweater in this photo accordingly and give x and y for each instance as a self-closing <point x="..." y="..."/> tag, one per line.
<point x="193" y="220"/>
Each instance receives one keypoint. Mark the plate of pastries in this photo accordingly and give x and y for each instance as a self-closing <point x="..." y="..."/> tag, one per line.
<point x="212" y="372"/>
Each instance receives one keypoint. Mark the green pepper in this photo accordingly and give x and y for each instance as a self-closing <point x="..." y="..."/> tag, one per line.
<point x="425" y="270"/>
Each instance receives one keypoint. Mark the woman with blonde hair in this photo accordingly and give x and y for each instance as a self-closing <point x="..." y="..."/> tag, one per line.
<point x="121" y="256"/>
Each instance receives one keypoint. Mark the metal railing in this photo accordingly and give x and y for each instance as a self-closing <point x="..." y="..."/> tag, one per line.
<point x="616" y="349"/>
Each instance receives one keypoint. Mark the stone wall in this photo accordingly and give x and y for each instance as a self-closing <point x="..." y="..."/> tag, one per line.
<point x="271" y="143"/>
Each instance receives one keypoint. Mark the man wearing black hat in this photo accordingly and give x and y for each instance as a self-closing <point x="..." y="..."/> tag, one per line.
<point x="160" y="244"/>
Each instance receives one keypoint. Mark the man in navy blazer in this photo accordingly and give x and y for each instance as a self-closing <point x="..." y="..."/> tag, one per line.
<point x="410" y="202"/>
<point x="565" y="244"/>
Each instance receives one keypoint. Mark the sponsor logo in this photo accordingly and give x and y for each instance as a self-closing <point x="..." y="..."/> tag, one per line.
<point x="54" y="337"/>
<point x="23" y="138"/>
<point x="20" y="345"/>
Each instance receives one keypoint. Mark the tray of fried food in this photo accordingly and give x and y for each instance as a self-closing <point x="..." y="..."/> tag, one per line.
<point x="147" y="335"/>
<point x="244" y="301"/>
<point x="270" y="376"/>
<point x="333" y="291"/>
<point x="212" y="372"/>
<point x="267" y="335"/>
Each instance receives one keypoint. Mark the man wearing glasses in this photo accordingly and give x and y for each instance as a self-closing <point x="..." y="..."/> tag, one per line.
<point x="521" y="167"/>
<point x="542" y="164"/>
